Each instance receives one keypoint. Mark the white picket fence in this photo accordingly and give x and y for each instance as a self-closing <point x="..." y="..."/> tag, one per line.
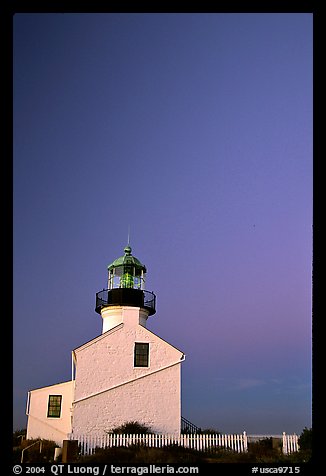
<point x="88" y="443"/>
<point x="199" y="442"/>
<point x="290" y="444"/>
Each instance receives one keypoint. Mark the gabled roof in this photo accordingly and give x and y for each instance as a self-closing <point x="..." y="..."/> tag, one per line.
<point x="52" y="385"/>
<point x="99" y="337"/>
<point x="118" y="328"/>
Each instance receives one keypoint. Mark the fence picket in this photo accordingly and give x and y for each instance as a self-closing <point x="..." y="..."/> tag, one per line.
<point x="290" y="443"/>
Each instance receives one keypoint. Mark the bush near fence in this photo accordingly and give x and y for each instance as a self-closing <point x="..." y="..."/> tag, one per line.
<point x="173" y="454"/>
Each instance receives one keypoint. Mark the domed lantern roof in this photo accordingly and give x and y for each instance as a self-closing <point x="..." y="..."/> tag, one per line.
<point x="127" y="259"/>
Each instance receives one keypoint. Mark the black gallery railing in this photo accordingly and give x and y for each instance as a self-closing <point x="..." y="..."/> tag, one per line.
<point x="126" y="297"/>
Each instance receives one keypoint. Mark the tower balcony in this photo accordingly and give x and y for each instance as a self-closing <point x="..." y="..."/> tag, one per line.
<point x="126" y="297"/>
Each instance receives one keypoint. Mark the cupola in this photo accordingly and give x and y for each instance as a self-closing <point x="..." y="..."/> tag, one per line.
<point x="126" y="272"/>
<point x="126" y="285"/>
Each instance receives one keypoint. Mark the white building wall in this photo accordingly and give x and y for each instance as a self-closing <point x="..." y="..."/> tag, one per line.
<point x="109" y="390"/>
<point x="39" y="425"/>
<point x="154" y="401"/>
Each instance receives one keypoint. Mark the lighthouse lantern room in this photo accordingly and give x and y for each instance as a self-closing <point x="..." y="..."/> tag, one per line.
<point x="126" y="283"/>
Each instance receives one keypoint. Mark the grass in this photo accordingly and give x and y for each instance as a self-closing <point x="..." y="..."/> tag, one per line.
<point x="257" y="453"/>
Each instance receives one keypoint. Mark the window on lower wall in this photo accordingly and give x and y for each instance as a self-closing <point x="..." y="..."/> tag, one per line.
<point x="54" y="406"/>
<point x="141" y="355"/>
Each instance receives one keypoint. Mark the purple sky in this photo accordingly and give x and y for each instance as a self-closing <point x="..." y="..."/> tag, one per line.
<point x="195" y="130"/>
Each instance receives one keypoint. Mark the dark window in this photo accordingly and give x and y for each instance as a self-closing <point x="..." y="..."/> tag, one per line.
<point x="141" y="355"/>
<point x="54" y="406"/>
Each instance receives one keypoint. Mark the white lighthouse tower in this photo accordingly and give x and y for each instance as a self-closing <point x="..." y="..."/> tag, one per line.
<point x="127" y="373"/>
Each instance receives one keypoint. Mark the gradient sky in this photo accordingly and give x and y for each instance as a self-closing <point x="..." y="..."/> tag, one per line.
<point x="195" y="130"/>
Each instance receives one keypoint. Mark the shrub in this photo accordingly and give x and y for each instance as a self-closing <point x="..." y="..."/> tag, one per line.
<point x="131" y="428"/>
<point x="305" y="439"/>
<point x="305" y="444"/>
<point x="263" y="451"/>
<point x="18" y="437"/>
<point x="209" y="431"/>
<point x="144" y="455"/>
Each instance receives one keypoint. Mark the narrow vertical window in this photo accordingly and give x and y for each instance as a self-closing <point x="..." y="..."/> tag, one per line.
<point x="54" y="406"/>
<point x="141" y="355"/>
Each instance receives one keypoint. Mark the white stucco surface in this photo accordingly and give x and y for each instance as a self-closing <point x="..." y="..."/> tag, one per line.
<point x="109" y="390"/>
<point x="153" y="401"/>
<point x="114" y="315"/>
<point x="39" y="425"/>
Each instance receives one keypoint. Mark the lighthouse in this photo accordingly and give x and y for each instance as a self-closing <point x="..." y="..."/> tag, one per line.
<point x="125" y="374"/>
<point x="128" y="373"/>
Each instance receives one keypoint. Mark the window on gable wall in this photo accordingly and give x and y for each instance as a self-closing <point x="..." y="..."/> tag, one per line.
<point x="54" y="406"/>
<point x="141" y="355"/>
